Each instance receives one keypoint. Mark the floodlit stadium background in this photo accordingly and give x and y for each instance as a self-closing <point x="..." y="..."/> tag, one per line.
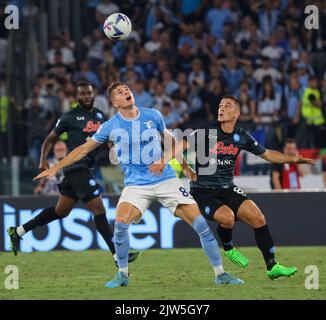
<point x="181" y="58"/>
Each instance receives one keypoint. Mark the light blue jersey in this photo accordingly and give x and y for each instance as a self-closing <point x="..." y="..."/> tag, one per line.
<point x="138" y="145"/>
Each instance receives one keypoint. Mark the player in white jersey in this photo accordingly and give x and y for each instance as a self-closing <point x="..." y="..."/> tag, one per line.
<point x="137" y="133"/>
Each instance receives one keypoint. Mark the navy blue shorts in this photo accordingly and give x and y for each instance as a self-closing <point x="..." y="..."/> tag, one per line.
<point x="79" y="184"/>
<point x="209" y="200"/>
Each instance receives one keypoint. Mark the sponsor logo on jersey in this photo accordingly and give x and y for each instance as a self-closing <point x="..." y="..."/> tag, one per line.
<point x="148" y="124"/>
<point x="236" y="137"/>
<point x="207" y="210"/>
<point x="91" y="126"/>
<point x="220" y="162"/>
<point x="80" y="118"/>
<point x="99" y="115"/>
<point x="92" y="182"/>
<point x="221" y="148"/>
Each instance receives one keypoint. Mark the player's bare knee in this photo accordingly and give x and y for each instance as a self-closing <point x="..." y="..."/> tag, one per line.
<point x="62" y="212"/>
<point x="123" y="219"/>
<point x="258" y="219"/>
<point x="225" y="217"/>
<point x="228" y="222"/>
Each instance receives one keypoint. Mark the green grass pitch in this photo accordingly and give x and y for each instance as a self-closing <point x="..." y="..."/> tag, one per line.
<point x="158" y="274"/>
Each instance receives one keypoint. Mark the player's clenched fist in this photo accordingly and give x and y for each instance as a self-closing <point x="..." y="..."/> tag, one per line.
<point x="157" y="167"/>
<point x="190" y="173"/>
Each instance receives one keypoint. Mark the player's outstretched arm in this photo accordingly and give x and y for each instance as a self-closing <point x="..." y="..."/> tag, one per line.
<point x="46" y="148"/>
<point x="74" y="156"/>
<point x="278" y="157"/>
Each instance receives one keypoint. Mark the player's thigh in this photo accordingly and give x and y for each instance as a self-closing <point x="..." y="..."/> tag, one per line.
<point x="96" y="206"/>
<point x="127" y="213"/>
<point x="187" y="212"/>
<point x="233" y="198"/>
<point x="225" y="217"/>
<point x="212" y="208"/>
<point x="133" y="203"/>
<point x="64" y="206"/>
<point x="172" y="194"/>
<point x="250" y="213"/>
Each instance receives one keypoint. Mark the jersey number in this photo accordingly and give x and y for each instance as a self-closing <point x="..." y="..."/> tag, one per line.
<point x="238" y="190"/>
<point x="184" y="192"/>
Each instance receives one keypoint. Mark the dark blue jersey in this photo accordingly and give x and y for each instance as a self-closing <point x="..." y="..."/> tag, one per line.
<point x="79" y="125"/>
<point x="216" y="154"/>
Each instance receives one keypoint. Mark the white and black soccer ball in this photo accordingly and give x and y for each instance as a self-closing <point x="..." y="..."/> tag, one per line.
<point x="117" y="26"/>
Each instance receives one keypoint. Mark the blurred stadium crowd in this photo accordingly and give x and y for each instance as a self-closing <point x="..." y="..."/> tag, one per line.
<point x="182" y="57"/>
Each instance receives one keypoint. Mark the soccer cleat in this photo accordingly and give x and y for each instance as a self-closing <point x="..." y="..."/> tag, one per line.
<point x="281" y="271"/>
<point x="236" y="257"/>
<point x="226" y="278"/>
<point x="120" y="280"/>
<point x="14" y="239"/>
<point x="132" y="256"/>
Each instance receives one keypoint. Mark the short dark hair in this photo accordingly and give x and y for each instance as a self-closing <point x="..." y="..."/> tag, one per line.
<point x="84" y="84"/>
<point x="113" y="86"/>
<point x="289" y="140"/>
<point x="234" y="99"/>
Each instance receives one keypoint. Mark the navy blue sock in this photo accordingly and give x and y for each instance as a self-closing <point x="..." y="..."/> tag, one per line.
<point x="265" y="243"/>
<point x="225" y="236"/>
<point x="103" y="227"/>
<point x="44" y="217"/>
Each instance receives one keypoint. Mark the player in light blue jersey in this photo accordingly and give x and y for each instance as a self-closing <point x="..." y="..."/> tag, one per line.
<point x="137" y="134"/>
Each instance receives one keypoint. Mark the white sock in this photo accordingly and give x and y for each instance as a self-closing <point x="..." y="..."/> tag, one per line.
<point x="20" y="231"/>
<point x="218" y="270"/>
<point x="124" y="270"/>
<point x="115" y="257"/>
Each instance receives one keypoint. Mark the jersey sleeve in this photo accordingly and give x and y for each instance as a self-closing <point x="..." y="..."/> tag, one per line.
<point x="103" y="132"/>
<point x="62" y="125"/>
<point x="253" y="146"/>
<point x="160" y="121"/>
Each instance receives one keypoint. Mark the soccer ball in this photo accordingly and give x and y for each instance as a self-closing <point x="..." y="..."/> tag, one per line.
<point x="117" y="26"/>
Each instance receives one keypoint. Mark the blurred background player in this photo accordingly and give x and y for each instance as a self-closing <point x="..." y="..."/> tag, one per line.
<point x="50" y="186"/>
<point x="79" y="182"/>
<point x="287" y="175"/>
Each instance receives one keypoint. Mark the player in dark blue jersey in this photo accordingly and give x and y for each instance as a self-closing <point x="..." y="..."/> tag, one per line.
<point x="79" y="182"/>
<point x="219" y="199"/>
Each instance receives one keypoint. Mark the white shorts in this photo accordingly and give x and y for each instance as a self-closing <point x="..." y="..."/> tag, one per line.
<point x="169" y="193"/>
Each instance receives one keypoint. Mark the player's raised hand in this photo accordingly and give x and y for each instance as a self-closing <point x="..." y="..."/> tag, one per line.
<point x="46" y="173"/>
<point x="157" y="167"/>
<point x="190" y="173"/>
<point x="302" y="160"/>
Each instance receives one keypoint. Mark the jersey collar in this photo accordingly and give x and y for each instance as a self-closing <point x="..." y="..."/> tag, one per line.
<point x="80" y="108"/>
<point x="126" y="119"/>
<point x="230" y="133"/>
